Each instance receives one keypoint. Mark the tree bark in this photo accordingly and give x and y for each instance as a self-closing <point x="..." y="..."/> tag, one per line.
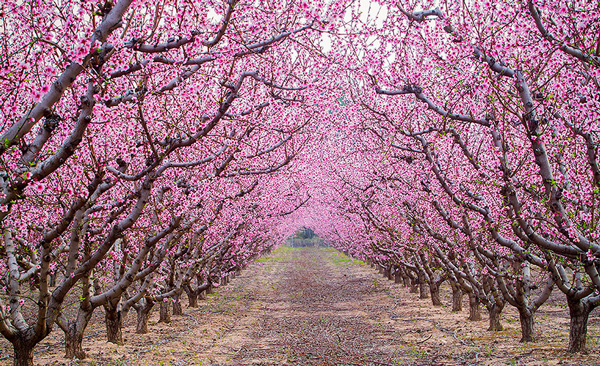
<point x="474" y="308"/>
<point x="165" y="315"/>
<point x="192" y="297"/>
<point x="388" y="272"/>
<point x="457" y="298"/>
<point x="423" y="291"/>
<point x="414" y="286"/>
<point x="177" y="310"/>
<point x="143" y="315"/>
<point x="406" y="282"/>
<point x="397" y="277"/>
<point x="114" y="324"/>
<point x="74" y="335"/>
<point x="23" y="353"/>
<point x="73" y="343"/>
<point x="434" y="290"/>
<point x="579" y="312"/>
<point x="495" y="312"/>
<point x="527" y="326"/>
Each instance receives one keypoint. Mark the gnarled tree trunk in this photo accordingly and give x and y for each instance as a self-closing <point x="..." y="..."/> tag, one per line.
<point x="457" y="297"/>
<point x="73" y="344"/>
<point x="143" y="315"/>
<point x="23" y="353"/>
<point x="474" y="308"/>
<point x="177" y="310"/>
<point x="434" y="290"/>
<point x="579" y="311"/>
<point x="192" y="296"/>
<point x="527" y="325"/>
<point x="165" y="315"/>
<point x="114" y="325"/>
<point x="74" y="335"/>
<point x="495" y="312"/>
<point x="423" y="291"/>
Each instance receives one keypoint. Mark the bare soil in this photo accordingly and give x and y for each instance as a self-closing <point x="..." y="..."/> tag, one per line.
<point x="311" y="306"/>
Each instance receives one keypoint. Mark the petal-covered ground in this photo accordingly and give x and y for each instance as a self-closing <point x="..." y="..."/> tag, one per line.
<point x="309" y="306"/>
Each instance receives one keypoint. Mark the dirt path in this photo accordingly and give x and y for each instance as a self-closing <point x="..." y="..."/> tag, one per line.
<point x="318" y="307"/>
<point x="316" y="311"/>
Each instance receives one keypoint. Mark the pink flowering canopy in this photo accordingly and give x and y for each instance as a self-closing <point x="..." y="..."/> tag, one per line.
<point x="152" y="146"/>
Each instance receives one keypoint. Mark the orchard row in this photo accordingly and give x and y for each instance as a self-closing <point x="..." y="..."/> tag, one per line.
<point x="152" y="149"/>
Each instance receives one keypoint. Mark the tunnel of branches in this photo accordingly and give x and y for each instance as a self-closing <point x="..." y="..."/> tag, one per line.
<point x="151" y="150"/>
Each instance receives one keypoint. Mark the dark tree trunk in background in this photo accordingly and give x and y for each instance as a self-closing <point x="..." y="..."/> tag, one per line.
<point x="474" y="308"/>
<point x="388" y="273"/>
<point x="495" y="312"/>
<point x="165" y="315"/>
<point x="406" y="282"/>
<point x="177" y="310"/>
<point x="397" y="277"/>
<point x="143" y="315"/>
<point x="414" y="285"/>
<point x="434" y="290"/>
<point x="192" y="296"/>
<point x="457" y="297"/>
<point x="52" y="279"/>
<point x="423" y="291"/>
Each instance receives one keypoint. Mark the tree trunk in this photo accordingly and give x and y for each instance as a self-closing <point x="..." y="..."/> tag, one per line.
<point x="114" y="324"/>
<point x="74" y="335"/>
<point x="73" y="343"/>
<point x="177" y="310"/>
<point x="414" y="286"/>
<point x="434" y="290"/>
<point x="397" y="278"/>
<point x="388" y="272"/>
<point x="407" y="281"/>
<point x="192" y="298"/>
<point x="209" y="290"/>
<point x="23" y="354"/>
<point x="527" y="326"/>
<point x="474" y="308"/>
<point x="579" y="312"/>
<point x="495" y="311"/>
<point x="165" y="315"/>
<point x="423" y="292"/>
<point x="143" y="315"/>
<point x="457" y="298"/>
<point x="52" y="279"/>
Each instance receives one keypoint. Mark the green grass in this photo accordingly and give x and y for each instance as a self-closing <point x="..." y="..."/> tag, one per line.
<point x="339" y="258"/>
